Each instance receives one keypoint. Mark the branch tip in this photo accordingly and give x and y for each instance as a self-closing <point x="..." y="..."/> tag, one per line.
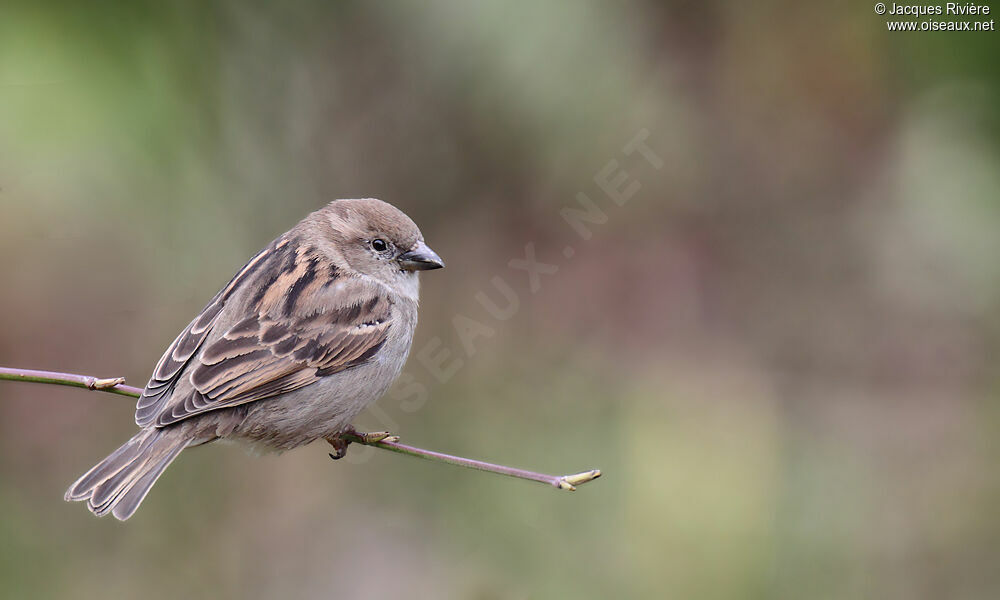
<point x="106" y="384"/>
<point x="569" y="482"/>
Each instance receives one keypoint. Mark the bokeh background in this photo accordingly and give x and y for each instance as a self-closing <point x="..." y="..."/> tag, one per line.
<point x="782" y="350"/>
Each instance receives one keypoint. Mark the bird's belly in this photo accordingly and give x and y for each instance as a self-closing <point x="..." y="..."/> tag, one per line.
<point x="319" y="410"/>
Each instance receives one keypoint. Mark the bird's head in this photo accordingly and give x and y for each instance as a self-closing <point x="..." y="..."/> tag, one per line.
<point x="377" y="239"/>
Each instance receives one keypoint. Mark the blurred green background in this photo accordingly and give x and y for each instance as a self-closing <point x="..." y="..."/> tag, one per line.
<point x="782" y="350"/>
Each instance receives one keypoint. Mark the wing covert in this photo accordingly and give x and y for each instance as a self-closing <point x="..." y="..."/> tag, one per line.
<point x="306" y="321"/>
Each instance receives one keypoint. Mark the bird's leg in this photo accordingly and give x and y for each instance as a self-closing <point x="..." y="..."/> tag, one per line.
<point x="342" y="440"/>
<point x="339" y="447"/>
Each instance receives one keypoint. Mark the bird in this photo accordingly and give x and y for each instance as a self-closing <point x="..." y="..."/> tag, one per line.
<point x="308" y="333"/>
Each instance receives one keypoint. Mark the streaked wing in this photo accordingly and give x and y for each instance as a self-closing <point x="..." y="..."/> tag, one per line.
<point x="306" y="320"/>
<point x="177" y="356"/>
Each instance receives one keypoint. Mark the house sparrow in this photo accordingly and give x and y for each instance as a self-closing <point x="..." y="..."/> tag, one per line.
<point x="312" y="330"/>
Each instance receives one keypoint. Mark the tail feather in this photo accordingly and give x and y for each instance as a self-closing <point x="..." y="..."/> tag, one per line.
<point x="130" y="500"/>
<point x="119" y="483"/>
<point x="107" y="468"/>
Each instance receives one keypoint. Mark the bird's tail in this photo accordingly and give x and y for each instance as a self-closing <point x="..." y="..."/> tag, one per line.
<point x="119" y="483"/>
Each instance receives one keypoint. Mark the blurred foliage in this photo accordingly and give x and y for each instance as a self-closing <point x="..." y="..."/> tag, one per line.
<point x="782" y="351"/>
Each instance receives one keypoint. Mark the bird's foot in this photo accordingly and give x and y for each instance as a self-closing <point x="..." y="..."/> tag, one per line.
<point x="342" y="440"/>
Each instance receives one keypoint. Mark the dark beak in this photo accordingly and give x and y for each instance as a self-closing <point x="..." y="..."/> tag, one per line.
<point x="420" y="258"/>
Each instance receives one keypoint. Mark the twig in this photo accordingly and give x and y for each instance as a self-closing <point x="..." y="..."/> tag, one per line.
<point x="116" y="385"/>
<point x="565" y="482"/>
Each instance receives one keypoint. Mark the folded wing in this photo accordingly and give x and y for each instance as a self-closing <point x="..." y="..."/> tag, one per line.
<point x="305" y="320"/>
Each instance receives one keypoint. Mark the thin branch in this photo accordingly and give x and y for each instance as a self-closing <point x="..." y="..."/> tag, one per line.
<point x="116" y="385"/>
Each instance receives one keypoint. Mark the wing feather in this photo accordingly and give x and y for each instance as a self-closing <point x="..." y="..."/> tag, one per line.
<point x="299" y="329"/>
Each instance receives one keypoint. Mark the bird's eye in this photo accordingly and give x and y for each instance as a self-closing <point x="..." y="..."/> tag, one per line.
<point x="379" y="245"/>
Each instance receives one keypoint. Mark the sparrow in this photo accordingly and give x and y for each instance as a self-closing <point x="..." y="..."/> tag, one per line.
<point x="313" y="329"/>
